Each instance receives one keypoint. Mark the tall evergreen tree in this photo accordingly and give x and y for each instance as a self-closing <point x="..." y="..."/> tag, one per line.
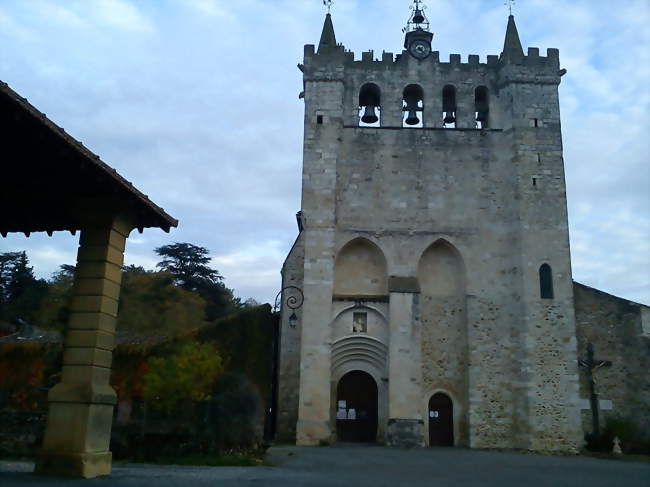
<point x="20" y="292"/>
<point x="189" y="264"/>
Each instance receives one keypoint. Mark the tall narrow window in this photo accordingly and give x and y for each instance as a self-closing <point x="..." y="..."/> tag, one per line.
<point x="546" y="282"/>
<point x="369" y="105"/>
<point x="413" y="106"/>
<point x="449" y="107"/>
<point x="481" y="107"/>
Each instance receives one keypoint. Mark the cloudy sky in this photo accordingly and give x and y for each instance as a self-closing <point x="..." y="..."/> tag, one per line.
<point x="196" y="102"/>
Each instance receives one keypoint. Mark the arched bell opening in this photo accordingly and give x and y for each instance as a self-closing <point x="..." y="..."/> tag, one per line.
<point x="482" y="107"/>
<point x="370" y="105"/>
<point x="413" y="106"/>
<point x="449" y="107"/>
<point x="441" y="420"/>
<point x="357" y="408"/>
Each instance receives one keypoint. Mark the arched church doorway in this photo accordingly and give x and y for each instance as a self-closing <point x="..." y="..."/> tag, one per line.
<point x="356" y="408"/>
<point x="441" y="420"/>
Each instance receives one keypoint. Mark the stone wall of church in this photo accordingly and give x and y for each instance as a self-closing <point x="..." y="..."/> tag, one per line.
<point x="615" y="327"/>
<point x="445" y="361"/>
<point x="289" y="360"/>
<point x="496" y="195"/>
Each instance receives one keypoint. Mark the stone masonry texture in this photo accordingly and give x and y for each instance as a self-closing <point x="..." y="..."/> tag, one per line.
<point x="438" y="235"/>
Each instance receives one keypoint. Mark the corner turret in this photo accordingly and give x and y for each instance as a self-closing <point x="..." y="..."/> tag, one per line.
<point x="328" y="37"/>
<point x="512" y="50"/>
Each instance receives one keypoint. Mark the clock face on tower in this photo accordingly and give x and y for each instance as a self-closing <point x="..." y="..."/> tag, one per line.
<point x="420" y="49"/>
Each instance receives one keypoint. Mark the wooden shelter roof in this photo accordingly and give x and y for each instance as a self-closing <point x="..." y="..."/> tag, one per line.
<point x="49" y="181"/>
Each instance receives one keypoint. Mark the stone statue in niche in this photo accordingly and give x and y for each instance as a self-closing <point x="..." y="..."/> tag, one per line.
<point x="360" y="323"/>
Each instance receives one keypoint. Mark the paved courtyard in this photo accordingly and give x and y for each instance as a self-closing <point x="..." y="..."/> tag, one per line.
<point x="372" y="466"/>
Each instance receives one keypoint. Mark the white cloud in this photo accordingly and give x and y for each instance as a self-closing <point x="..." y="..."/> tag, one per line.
<point x="122" y="14"/>
<point x="52" y="12"/>
<point x="212" y="8"/>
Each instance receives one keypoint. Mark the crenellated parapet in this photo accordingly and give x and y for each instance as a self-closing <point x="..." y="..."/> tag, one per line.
<point x="339" y="55"/>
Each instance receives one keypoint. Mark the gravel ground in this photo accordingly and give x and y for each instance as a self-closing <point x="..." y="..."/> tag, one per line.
<point x="372" y="466"/>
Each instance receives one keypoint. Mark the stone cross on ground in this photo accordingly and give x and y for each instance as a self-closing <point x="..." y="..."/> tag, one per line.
<point x="590" y="364"/>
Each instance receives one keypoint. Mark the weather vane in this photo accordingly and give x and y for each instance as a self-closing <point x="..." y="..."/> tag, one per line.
<point x="328" y="4"/>
<point x="510" y="4"/>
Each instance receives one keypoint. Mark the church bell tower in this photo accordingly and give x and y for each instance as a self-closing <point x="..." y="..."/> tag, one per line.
<point x="433" y="252"/>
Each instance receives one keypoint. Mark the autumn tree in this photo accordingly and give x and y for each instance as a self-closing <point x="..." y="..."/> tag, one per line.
<point x="188" y="374"/>
<point x="151" y="303"/>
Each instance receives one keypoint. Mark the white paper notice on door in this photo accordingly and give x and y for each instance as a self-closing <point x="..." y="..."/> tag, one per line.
<point x="341" y="414"/>
<point x="352" y="414"/>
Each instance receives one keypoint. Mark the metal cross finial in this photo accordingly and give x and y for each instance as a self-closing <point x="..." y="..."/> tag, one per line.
<point x="510" y="4"/>
<point x="417" y="5"/>
<point x="328" y="4"/>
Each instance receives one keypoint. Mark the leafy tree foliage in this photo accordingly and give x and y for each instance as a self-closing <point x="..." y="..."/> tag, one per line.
<point x="188" y="374"/>
<point x="234" y="415"/>
<point x="183" y="296"/>
<point x="55" y="307"/>
<point x="151" y="303"/>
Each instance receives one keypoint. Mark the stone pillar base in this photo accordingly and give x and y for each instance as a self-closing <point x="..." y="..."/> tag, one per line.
<point x="85" y="465"/>
<point x="405" y="433"/>
<point x="312" y="433"/>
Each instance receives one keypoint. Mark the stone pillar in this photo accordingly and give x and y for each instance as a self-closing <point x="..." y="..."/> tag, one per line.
<point x="77" y="437"/>
<point x="405" y="423"/>
<point x="314" y="410"/>
<point x="466" y="116"/>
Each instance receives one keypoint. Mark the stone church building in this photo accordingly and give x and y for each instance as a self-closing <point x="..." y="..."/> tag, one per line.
<point x="433" y="255"/>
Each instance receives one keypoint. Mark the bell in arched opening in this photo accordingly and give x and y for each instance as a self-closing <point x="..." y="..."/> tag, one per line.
<point x="413" y="105"/>
<point x="481" y="106"/>
<point x="370" y="103"/>
<point x="448" y="105"/>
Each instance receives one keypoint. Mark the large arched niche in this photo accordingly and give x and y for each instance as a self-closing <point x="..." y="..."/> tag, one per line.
<point x="441" y="271"/>
<point x="443" y="315"/>
<point x="360" y="270"/>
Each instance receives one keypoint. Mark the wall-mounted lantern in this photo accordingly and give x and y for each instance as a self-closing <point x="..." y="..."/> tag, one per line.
<point x="293" y="301"/>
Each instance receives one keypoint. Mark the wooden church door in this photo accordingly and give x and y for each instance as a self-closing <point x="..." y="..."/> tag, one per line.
<point x="356" y="413"/>
<point x="441" y="420"/>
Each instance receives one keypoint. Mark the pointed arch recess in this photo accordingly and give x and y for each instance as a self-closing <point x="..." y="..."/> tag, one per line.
<point x="360" y="270"/>
<point x="441" y="270"/>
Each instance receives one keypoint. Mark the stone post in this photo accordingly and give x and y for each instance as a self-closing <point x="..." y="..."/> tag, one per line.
<point x="405" y="424"/>
<point x="77" y="437"/>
